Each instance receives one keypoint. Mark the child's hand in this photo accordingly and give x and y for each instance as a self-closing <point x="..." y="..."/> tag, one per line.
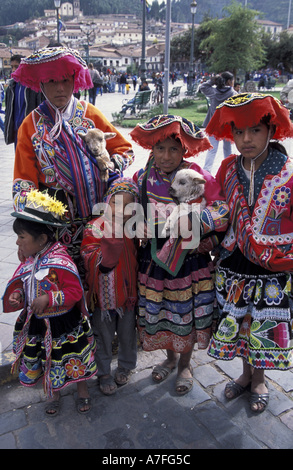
<point x="39" y="304"/>
<point x="111" y="250"/>
<point x="14" y="299"/>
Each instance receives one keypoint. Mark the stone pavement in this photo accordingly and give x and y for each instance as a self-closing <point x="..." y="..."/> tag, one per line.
<point x="141" y="415"/>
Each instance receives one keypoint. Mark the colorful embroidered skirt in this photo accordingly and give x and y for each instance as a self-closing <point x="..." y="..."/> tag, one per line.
<point x="256" y="317"/>
<point x="175" y="312"/>
<point x="72" y="350"/>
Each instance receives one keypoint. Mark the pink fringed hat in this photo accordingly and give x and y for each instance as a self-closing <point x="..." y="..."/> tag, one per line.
<point x="53" y="63"/>
<point x="161" y="127"/>
<point x="247" y="110"/>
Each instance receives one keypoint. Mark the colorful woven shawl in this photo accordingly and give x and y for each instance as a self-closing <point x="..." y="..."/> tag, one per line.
<point x="53" y="256"/>
<point x="268" y="255"/>
<point x="76" y="170"/>
<point x="169" y="254"/>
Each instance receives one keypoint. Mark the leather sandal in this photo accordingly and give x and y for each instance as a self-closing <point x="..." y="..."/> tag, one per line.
<point x="122" y="375"/>
<point x="259" y="398"/>
<point x="163" y="371"/>
<point x="105" y="383"/>
<point x="52" y="408"/>
<point x="81" y="403"/>
<point x="235" y="388"/>
<point x="185" y="383"/>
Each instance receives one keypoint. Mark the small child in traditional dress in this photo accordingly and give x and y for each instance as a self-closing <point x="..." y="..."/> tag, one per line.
<point x="52" y="337"/>
<point x="110" y="261"/>
<point x="254" y="272"/>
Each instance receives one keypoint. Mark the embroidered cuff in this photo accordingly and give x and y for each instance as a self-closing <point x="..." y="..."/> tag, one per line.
<point x="56" y="298"/>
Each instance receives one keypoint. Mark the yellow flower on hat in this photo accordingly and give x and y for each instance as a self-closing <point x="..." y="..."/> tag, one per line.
<point x="42" y="200"/>
<point x="56" y="207"/>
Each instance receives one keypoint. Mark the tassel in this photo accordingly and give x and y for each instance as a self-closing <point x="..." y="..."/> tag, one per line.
<point x="252" y="172"/>
<point x="251" y="184"/>
<point x="15" y="366"/>
<point x="47" y="383"/>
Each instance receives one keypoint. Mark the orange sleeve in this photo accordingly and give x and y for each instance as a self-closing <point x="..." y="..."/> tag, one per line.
<point x="25" y="167"/>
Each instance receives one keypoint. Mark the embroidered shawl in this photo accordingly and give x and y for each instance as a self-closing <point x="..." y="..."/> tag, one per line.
<point x="55" y="257"/>
<point x="76" y="170"/>
<point x="35" y="163"/>
<point x="154" y="185"/>
<point x="32" y="276"/>
<point x="265" y="237"/>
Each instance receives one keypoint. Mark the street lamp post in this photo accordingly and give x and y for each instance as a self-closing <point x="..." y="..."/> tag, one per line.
<point x="143" y="48"/>
<point x="57" y="4"/>
<point x="193" y="6"/>
<point x="88" y="30"/>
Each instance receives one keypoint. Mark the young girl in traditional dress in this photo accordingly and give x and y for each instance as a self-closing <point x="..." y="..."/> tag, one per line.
<point x="52" y="336"/>
<point x="110" y="259"/>
<point x="176" y="283"/>
<point x="254" y="281"/>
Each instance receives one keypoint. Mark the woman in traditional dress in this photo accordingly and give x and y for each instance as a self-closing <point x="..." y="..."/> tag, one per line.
<point x="176" y="280"/>
<point x="254" y="280"/>
<point x="50" y="154"/>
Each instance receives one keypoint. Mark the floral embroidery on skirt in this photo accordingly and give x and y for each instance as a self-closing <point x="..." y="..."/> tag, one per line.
<point x="256" y="317"/>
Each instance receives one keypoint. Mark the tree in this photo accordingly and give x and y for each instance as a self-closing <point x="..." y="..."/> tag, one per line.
<point x="180" y="45"/>
<point x="280" y="53"/>
<point x="235" y="41"/>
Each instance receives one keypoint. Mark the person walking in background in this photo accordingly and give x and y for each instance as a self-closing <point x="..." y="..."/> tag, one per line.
<point x="254" y="272"/>
<point x="123" y="81"/>
<point x="96" y="79"/>
<point x="134" y="81"/>
<point x="217" y="90"/>
<point x="2" y="96"/>
<point x="19" y="102"/>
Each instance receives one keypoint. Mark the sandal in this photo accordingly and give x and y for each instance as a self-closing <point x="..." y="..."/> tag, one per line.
<point x="163" y="371"/>
<point x="52" y="408"/>
<point x="259" y="398"/>
<point x="186" y="383"/>
<point x="82" y="402"/>
<point x="122" y="375"/>
<point x="107" y="385"/>
<point x="235" y="388"/>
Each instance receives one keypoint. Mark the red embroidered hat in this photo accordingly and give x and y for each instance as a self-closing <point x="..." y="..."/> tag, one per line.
<point x="162" y="127"/>
<point x="247" y="110"/>
<point x="53" y="63"/>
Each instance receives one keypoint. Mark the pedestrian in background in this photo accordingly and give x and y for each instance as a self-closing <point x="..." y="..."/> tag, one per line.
<point x="19" y="102"/>
<point x="96" y="79"/>
<point x="217" y="89"/>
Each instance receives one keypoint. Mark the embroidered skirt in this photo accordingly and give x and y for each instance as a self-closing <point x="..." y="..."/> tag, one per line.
<point x="72" y="350"/>
<point x="175" y="312"/>
<point x="255" y="314"/>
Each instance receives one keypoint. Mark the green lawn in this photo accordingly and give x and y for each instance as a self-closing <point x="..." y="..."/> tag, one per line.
<point x="192" y="109"/>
